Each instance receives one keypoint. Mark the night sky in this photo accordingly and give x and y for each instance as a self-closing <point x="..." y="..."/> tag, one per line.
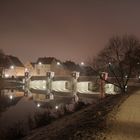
<point x="68" y="29"/>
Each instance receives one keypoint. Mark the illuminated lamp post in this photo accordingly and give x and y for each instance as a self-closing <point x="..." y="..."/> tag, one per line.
<point x="82" y="63"/>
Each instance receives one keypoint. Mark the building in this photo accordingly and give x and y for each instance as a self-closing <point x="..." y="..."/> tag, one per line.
<point x="30" y="67"/>
<point x="13" y="67"/>
<point x="46" y="64"/>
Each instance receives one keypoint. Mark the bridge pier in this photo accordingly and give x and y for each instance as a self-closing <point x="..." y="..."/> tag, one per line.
<point x="27" y="80"/>
<point x="49" y="77"/>
<point x="104" y="77"/>
<point x="75" y="76"/>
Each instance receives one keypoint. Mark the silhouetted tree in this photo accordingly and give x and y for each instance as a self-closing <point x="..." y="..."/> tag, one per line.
<point x="119" y="58"/>
<point x="70" y="65"/>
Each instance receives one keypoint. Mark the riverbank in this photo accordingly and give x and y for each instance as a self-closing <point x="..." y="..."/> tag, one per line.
<point x="85" y="124"/>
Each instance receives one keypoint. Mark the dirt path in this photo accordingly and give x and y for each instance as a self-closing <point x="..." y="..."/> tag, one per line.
<point x="126" y="126"/>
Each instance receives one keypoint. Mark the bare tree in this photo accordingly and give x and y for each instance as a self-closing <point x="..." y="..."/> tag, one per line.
<point x="120" y="59"/>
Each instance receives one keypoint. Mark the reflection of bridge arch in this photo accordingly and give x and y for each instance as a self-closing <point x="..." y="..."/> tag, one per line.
<point x="61" y="86"/>
<point x="84" y="87"/>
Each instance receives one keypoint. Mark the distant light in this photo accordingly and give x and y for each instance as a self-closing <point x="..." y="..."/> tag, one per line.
<point x="125" y="88"/>
<point x="109" y="63"/>
<point x="38" y="105"/>
<point x="139" y="76"/>
<point x="126" y="76"/>
<point x="56" y="107"/>
<point x="40" y="63"/>
<point x="11" y="97"/>
<point x="26" y="70"/>
<point x="6" y="75"/>
<point x="58" y="63"/>
<point x="138" y="63"/>
<point x="82" y="63"/>
<point x="12" y="67"/>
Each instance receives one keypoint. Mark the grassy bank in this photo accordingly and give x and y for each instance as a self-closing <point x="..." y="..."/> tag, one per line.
<point x="87" y="124"/>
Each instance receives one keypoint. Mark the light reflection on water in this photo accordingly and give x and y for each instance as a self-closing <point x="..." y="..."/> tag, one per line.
<point x="17" y="105"/>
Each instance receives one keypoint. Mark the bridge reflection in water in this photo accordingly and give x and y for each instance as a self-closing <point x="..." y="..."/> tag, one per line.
<point x="18" y="104"/>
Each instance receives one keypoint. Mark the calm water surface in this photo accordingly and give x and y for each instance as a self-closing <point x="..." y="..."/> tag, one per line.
<point x="17" y="105"/>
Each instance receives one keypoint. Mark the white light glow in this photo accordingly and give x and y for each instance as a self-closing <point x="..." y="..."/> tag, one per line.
<point x="82" y="63"/>
<point x="11" y="97"/>
<point x="56" y="107"/>
<point x="109" y="63"/>
<point x="12" y="67"/>
<point x="6" y="75"/>
<point x="38" y="105"/>
<point x="58" y="63"/>
<point x="26" y="70"/>
<point x="40" y="63"/>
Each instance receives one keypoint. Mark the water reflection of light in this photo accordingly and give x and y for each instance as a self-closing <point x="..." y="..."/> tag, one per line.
<point x="38" y="105"/>
<point x="12" y="67"/>
<point x="56" y="107"/>
<point x="6" y="75"/>
<point x="11" y="97"/>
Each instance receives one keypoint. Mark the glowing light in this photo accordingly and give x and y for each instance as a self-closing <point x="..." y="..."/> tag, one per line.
<point x="58" y="63"/>
<point x="126" y="76"/>
<point x="56" y="107"/>
<point x="38" y="105"/>
<point x="109" y="63"/>
<point x="6" y="75"/>
<point x="82" y="63"/>
<point x="40" y="63"/>
<point x="12" y="67"/>
<point x="26" y="70"/>
<point x="11" y="97"/>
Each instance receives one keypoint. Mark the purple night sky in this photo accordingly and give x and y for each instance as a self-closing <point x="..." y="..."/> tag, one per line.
<point x="68" y="29"/>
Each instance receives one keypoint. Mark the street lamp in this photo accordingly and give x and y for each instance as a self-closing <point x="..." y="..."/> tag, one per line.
<point x="38" y="105"/>
<point x="40" y="63"/>
<point x="58" y="63"/>
<point x="12" y="67"/>
<point x="11" y="97"/>
<point x="56" y="107"/>
<point x="82" y="63"/>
